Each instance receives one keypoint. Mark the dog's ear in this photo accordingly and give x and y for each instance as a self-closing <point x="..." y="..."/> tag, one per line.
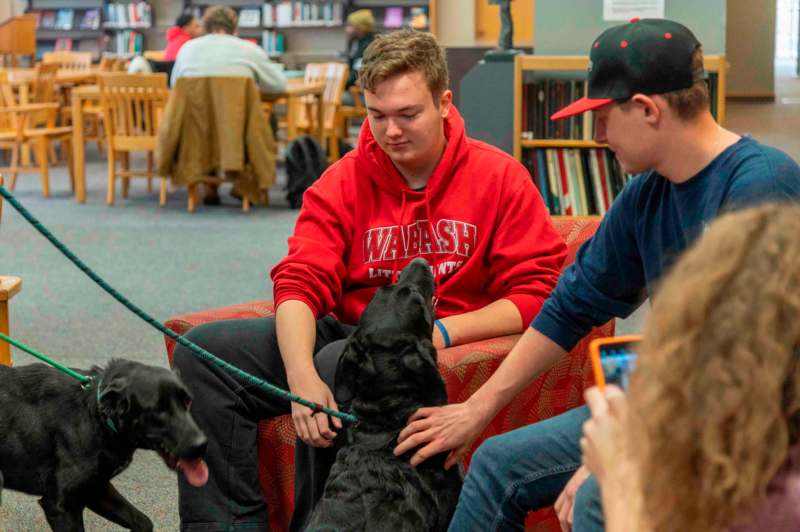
<point x="423" y="353"/>
<point x="354" y="363"/>
<point x="113" y="398"/>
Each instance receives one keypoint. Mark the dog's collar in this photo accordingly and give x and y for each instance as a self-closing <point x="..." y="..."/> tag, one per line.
<point x="109" y="422"/>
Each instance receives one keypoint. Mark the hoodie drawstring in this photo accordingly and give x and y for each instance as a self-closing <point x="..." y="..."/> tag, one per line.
<point x="435" y="243"/>
<point x="395" y="273"/>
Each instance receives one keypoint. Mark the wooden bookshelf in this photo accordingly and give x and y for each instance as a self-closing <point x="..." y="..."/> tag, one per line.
<point x="313" y="39"/>
<point x="576" y="63"/>
<point x="90" y="33"/>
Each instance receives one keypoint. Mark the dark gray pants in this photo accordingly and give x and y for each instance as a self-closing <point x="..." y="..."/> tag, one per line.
<point x="228" y="410"/>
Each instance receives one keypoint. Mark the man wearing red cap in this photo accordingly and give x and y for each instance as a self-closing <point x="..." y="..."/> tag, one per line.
<point x="647" y="87"/>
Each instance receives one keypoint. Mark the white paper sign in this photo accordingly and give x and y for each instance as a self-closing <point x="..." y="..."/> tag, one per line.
<point x="628" y="9"/>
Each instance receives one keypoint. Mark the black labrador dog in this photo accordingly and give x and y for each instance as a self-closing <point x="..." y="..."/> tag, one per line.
<point x="388" y="370"/>
<point x="64" y="441"/>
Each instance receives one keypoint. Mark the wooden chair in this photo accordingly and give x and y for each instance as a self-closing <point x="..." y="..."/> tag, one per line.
<point x="154" y="55"/>
<point x="349" y="112"/>
<point x="69" y="60"/>
<point x="23" y="124"/>
<point x="132" y="105"/>
<point x="335" y="77"/>
<point x="9" y="287"/>
<point x="46" y="91"/>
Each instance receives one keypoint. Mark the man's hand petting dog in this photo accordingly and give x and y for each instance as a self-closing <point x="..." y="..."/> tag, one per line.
<point x="314" y="429"/>
<point x="434" y="430"/>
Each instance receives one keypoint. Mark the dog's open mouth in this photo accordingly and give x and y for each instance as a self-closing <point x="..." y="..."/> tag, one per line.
<point x="195" y="469"/>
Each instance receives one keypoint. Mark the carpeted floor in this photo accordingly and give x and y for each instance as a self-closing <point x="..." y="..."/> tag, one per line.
<point x="169" y="261"/>
<point x="165" y="260"/>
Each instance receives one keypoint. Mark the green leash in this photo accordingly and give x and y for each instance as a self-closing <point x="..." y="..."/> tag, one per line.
<point x="83" y="378"/>
<point x="194" y="348"/>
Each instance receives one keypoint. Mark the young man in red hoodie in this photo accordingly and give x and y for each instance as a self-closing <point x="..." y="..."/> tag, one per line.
<point x="416" y="186"/>
<point x="186" y="28"/>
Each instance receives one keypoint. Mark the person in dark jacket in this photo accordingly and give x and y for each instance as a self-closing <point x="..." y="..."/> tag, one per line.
<point x="360" y="30"/>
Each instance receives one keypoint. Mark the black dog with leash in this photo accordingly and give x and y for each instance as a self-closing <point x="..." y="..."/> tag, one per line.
<point x="389" y="370"/>
<point x="64" y="441"/>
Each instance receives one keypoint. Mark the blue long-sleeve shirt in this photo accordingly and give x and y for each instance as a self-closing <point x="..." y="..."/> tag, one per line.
<point x="648" y="226"/>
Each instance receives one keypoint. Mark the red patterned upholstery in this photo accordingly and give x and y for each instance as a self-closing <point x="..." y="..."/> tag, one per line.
<point x="464" y="369"/>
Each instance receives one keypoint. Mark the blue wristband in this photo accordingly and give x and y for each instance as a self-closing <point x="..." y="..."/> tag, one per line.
<point x="442" y="330"/>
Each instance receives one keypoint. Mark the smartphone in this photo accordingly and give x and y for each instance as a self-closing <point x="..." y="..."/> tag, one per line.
<point x="613" y="360"/>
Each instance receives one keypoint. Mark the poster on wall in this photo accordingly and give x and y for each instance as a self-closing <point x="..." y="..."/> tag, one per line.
<point x="628" y="9"/>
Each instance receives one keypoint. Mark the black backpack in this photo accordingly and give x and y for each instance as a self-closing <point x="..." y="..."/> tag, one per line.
<point x="305" y="162"/>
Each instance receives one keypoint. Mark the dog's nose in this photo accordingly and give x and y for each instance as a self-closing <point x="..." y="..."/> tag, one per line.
<point x="197" y="448"/>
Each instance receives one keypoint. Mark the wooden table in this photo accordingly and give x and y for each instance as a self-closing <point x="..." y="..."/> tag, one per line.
<point x="23" y="78"/>
<point x="91" y="93"/>
<point x="296" y="89"/>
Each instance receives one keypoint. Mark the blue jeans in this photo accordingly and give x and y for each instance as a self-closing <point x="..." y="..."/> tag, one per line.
<point x="525" y="470"/>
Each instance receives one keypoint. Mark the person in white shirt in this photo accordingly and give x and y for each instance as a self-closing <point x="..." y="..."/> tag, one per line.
<point x="221" y="53"/>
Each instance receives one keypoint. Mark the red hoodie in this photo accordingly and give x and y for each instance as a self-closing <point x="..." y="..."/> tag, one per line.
<point x="176" y="38"/>
<point x="360" y="223"/>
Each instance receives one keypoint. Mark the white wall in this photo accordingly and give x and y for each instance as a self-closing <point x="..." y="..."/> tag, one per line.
<point x="10" y="8"/>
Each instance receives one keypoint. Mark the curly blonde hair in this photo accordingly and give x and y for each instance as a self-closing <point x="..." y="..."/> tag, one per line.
<point x="715" y="400"/>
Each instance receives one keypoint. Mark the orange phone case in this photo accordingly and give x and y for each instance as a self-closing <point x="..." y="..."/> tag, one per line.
<point x="594" y="353"/>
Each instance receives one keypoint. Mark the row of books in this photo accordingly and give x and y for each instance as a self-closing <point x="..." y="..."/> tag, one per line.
<point x="126" y="42"/>
<point x="274" y="42"/>
<point x="67" y="19"/>
<point x="129" y="15"/>
<point x="542" y="98"/>
<point x="286" y="13"/>
<point x="576" y="182"/>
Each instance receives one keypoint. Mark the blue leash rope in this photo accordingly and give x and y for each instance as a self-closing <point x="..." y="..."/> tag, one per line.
<point x="194" y="348"/>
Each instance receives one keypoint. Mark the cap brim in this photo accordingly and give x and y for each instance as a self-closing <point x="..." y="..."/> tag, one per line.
<point x="581" y="106"/>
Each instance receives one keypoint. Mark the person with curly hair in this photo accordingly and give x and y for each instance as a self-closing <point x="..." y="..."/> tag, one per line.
<point x="712" y="417"/>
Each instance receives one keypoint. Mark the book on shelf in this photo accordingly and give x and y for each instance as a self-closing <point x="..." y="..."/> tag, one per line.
<point x="393" y="17"/>
<point x="64" y="19"/>
<point x="543" y="97"/>
<point x="273" y="42"/>
<point x="48" y="20"/>
<point x="287" y="13"/>
<point x="129" y="15"/>
<point x="90" y="19"/>
<point x="63" y="44"/>
<point x="126" y="42"/>
<point x="574" y="181"/>
<point x="250" y="17"/>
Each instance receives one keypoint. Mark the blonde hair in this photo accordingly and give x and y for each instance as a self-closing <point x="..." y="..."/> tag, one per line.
<point x="218" y="18"/>
<point x="401" y="52"/>
<point x="362" y="20"/>
<point x="715" y="400"/>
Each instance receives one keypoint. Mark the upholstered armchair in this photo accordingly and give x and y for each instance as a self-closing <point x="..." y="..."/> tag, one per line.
<point x="464" y="368"/>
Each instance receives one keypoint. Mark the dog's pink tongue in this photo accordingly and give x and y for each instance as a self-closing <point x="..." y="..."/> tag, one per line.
<point x="196" y="471"/>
